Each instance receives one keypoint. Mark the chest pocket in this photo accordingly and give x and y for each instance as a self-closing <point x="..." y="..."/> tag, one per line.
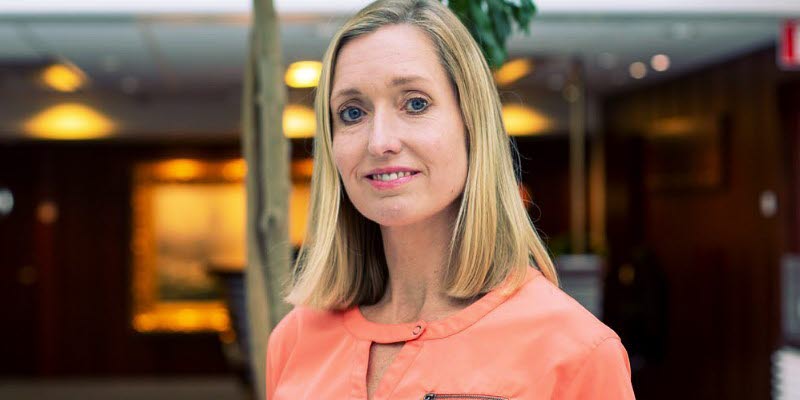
<point x="461" y="396"/>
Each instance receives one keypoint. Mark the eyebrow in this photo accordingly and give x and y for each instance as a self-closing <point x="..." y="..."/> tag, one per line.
<point x="404" y="80"/>
<point x="396" y="81"/>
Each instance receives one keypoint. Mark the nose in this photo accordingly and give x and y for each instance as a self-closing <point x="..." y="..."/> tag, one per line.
<point x="383" y="135"/>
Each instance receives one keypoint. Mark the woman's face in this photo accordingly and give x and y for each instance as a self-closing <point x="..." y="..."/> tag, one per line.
<point x="399" y="142"/>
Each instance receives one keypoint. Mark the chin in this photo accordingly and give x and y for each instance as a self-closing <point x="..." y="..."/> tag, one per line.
<point x="392" y="216"/>
<point x="400" y="212"/>
<point x="390" y="213"/>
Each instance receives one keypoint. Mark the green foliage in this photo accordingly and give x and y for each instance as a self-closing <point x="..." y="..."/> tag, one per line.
<point x="491" y="22"/>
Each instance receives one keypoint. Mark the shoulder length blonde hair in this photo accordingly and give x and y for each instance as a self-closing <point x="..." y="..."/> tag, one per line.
<point x="342" y="263"/>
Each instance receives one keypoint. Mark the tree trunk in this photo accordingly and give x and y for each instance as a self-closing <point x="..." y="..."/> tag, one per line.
<point x="266" y="151"/>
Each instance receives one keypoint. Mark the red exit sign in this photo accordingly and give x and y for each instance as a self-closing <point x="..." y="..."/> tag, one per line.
<point x="789" y="57"/>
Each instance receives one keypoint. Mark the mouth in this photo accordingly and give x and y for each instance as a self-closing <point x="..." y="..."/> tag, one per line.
<point x="391" y="176"/>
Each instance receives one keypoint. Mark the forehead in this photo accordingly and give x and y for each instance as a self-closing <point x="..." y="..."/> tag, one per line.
<point x="380" y="56"/>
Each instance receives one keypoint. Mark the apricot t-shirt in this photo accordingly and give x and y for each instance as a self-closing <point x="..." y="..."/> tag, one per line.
<point x="537" y="343"/>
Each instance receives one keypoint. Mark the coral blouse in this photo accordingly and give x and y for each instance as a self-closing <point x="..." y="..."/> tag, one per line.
<point x="537" y="343"/>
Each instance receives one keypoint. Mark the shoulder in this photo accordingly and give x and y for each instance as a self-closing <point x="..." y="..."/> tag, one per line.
<point x="583" y="357"/>
<point x="299" y="322"/>
<point x="552" y="318"/>
<point x="295" y="335"/>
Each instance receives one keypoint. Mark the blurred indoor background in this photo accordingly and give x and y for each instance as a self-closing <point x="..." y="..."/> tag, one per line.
<point x="658" y="145"/>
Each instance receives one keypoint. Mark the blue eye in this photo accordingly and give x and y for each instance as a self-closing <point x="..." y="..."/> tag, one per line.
<point x="416" y="105"/>
<point x="351" y="114"/>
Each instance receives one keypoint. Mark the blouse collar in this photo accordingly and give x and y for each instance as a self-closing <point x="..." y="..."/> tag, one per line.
<point x="364" y="329"/>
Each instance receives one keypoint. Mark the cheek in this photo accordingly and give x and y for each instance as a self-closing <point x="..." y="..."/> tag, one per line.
<point x="342" y="155"/>
<point x="449" y="156"/>
<point x="459" y="159"/>
<point x="455" y="146"/>
<point x="347" y="155"/>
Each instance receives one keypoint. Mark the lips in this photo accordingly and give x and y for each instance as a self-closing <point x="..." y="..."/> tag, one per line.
<point x="391" y="177"/>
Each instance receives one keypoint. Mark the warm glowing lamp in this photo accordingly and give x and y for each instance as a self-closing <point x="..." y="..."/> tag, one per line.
<point x="302" y="169"/>
<point x="521" y="120"/>
<point x="299" y="121"/>
<point x="235" y="169"/>
<point x="64" y="77"/>
<point x="180" y="169"/>
<point x="299" y="201"/>
<point x="69" y="121"/>
<point x="303" y="74"/>
<point x="513" y="71"/>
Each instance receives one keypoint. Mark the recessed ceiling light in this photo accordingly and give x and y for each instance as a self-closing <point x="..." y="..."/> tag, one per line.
<point x="303" y="74"/>
<point x="660" y="62"/>
<point x="637" y="70"/>
<point x="69" y="121"/>
<point x="513" y="71"/>
<point x="520" y="120"/>
<point x="64" y="77"/>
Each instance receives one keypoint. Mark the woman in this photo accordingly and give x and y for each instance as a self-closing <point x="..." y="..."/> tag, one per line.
<point x="422" y="275"/>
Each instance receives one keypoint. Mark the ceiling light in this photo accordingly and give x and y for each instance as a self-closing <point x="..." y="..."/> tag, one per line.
<point x="513" y="71"/>
<point x="522" y="120"/>
<point x="69" y="121"/>
<point x="299" y="121"/>
<point x="64" y="77"/>
<point x="660" y="62"/>
<point x="638" y="70"/>
<point x="303" y="74"/>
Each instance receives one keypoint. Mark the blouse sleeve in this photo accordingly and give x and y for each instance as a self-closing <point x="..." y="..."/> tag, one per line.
<point x="279" y="346"/>
<point x="604" y="374"/>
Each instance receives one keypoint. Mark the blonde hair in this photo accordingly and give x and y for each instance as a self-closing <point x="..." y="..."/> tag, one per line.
<point x="342" y="263"/>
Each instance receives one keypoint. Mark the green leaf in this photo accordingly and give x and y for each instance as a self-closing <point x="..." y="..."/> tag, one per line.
<point x="500" y="21"/>
<point x="491" y="22"/>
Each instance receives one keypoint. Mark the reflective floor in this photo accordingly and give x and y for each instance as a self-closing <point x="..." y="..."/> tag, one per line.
<point x="124" y="389"/>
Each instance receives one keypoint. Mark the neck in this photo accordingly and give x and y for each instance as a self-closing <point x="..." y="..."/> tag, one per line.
<point x="416" y="256"/>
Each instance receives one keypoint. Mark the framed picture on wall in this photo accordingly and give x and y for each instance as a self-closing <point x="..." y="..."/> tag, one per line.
<point x="686" y="153"/>
<point x="188" y="221"/>
<point x="189" y="229"/>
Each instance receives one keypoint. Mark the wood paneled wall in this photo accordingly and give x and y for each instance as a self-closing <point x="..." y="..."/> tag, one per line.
<point x="718" y="253"/>
<point x="71" y="316"/>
